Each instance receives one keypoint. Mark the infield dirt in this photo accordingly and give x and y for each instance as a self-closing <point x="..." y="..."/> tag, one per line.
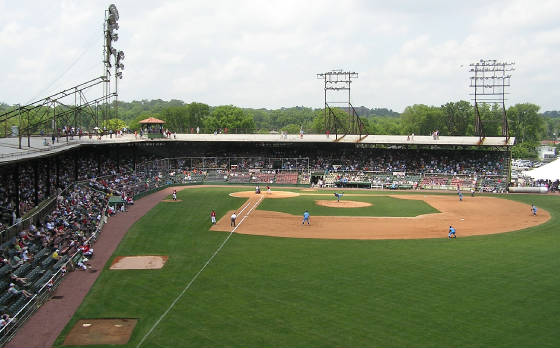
<point x="470" y="217"/>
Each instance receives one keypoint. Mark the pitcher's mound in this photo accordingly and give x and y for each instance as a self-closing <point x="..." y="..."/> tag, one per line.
<point x="265" y="194"/>
<point x="138" y="262"/>
<point x="100" y="331"/>
<point x="342" y="204"/>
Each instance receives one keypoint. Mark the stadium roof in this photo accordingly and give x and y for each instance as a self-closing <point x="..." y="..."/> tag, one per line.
<point x="370" y="139"/>
<point x="40" y="146"/>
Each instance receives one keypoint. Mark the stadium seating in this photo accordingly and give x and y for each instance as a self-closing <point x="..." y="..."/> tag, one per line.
<point x="287" y="178"/>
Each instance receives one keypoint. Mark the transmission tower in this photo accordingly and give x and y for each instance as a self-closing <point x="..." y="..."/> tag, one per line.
<point x="336" y="81"/>
<point x="489" y="81"/>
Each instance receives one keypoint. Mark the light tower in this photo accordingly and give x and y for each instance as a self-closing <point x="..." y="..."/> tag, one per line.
<point x="489" y="80"/>
<point x="110" y="27"/>
<point x="336" y="81"/>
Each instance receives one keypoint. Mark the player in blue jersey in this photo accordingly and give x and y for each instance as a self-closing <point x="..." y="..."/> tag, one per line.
<point x="305" y="217"/>
<point x="451" y="232"/>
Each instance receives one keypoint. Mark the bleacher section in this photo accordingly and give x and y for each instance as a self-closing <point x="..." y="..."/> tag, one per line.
<point x="265" y="178"/>
<point x="285" y="178"/>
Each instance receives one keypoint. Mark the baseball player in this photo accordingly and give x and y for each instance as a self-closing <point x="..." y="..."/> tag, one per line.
<point x="534" y="209"/>
<point x="305" y="217"/>
<point x="213" y="217"/>
<point x="461" y="196"/>
<point x="174" y="195"/>
<point x="338" y="196"/>
<point x="451" y="233"/>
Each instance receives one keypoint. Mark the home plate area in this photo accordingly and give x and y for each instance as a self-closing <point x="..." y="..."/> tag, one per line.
<point x="138" y="262"/>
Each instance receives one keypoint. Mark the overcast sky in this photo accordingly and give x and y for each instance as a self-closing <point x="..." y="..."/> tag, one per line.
<point x="266" y="54"/>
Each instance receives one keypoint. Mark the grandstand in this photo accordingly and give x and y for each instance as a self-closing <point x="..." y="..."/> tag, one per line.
<point x="35" y="183"/>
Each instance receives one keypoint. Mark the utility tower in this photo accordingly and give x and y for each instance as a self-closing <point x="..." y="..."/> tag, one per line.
<point x="110" y="27"/>
<point x="336" y="83"/>
<point x="489" y="80"/>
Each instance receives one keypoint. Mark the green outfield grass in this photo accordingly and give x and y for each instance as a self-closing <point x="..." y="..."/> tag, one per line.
<point x="487" y="291"/>
<point x="381" y="205"/>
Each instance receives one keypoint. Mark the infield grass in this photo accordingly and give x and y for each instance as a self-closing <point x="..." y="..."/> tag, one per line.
<point x="380" y="206"/>
<point x="487" y="291"/>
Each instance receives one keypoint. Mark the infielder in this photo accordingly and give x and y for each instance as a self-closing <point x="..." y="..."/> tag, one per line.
<point x="451" y="233"/>
<point x="305" y="217"/>
<point x="534" y="209"/>
<point x="213" y="217"/>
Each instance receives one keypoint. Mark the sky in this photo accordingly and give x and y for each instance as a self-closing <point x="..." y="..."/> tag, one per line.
<point x="267" y="54"/>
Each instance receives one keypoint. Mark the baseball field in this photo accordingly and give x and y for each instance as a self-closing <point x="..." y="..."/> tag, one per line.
<point x="376" y="273"/>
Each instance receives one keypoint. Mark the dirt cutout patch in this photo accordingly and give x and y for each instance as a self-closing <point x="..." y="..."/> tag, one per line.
<point x="100" y="331"/>
<point x="342" y="204"/>
<point x="138" y="262"/>
<point x="470" y="217"/>
<point x="171" y="201"/>
<point x="264" y="194"/>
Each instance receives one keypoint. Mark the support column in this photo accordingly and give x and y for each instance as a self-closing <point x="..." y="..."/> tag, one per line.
<point x="57" y="174"/>
<point x="98" y="163"/>
<point x="76" y="176"/>
<point x="48" y="178"/>
<point x="118" y="159"/>
<point x="134" y="157"/>
<point x="36" y="181"/>
<point x="15" y="175"/>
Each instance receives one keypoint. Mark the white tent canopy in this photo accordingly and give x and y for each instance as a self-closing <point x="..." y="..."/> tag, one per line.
<point x="550" y="171"/>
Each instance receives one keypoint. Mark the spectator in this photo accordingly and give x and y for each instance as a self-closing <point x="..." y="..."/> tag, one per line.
<point x="13" y="290"/>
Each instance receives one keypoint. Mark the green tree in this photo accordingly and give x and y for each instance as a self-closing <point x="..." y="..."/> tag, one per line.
<point x="176" y="118"/>
<point x="317" y="125"/>
<point x="525" y="123"/>
<point x="292" y="128"/>
<point x="527" y="149"/>
<point x="113" y="124"/>
<point x="385" y="125"/>
<point x="197" y="112"/>
<point x="423" y="119"/>
<point x="230" y="117"/>
<point x="458" y="117"/>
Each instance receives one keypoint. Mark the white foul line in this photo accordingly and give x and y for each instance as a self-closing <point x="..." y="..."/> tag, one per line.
<point x="198" y="273"/>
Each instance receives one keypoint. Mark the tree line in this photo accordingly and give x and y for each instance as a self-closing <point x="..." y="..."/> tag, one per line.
<point x="526" y="123"/>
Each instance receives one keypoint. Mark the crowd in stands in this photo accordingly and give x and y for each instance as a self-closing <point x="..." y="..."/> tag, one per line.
<point x="29" y="259"/>
<point x="441" y="162"/>
<point x="380" y="167"/>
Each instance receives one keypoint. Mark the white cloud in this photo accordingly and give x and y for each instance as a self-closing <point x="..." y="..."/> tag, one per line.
<point x="266" y="54"/>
